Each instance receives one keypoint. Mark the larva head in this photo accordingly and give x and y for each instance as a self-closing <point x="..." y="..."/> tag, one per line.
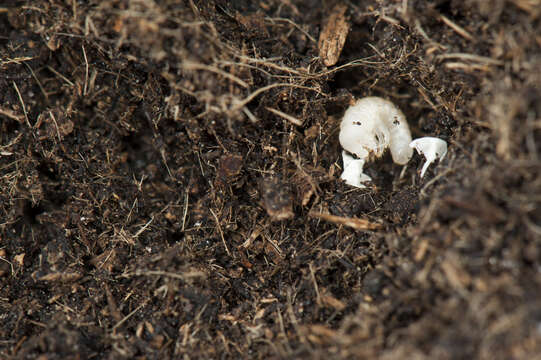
<point x="362" y="132"/>
<point x="372" y="125"/>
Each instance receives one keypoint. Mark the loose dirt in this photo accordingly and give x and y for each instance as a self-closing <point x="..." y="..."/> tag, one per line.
<point x="169" y="180"/>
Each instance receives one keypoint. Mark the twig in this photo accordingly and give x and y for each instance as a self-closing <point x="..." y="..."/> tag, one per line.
<point x="459" y="30"/>
<point x="358" y="62"/>
<point x="10" y="263"/>
<point x="221" y="232"/>
<point x="249" y="114"/>
<point x="18" y="60"/>
<point x="295" y="25"/>
<point x="128" y="316"/>
<point x="86" y="70"/>
<point x="316" y="288"/>
<point x="268" y="63"/>
<point x="529" y="6"/>
<point x="470" y="57"/>
<point x="61" y="76"/>
<point x="56" y="125"/>
<point x="253" y="95"/>
<point x="39" y="82"/>
<point x="355" y="223"/>
<point x="421" y="31"/>
<point x="288" y="117"/>
<point x="275" y="246"/>
<point x="191" y="65"/>
<point x="143" y="228"/>
<point x="381" y="55"/>
<point x="22" y="103"/>
<point x="536" y="229"/>
<point x="184" y="276"/>
<point x="433" y="180"/>
<point x="464" y="66"/>
<point x="224" y="62"/>
<point x="185" y="210"/>
<point x="11" y="114"/>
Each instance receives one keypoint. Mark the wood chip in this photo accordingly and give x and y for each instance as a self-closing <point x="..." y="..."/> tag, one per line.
<point x="333" y="37"/>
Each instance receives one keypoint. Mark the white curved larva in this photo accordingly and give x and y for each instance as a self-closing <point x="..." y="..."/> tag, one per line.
<point x="353" y="171"/>
<point x="372" y="125"/>
<point x="431" y="148"/>
<point x="368" y="128"/>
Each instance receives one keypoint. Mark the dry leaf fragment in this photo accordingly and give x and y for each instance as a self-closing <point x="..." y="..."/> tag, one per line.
<point x="277" y="199"/>
<point x="333" y="37"/>
<point x="229" y="170"/>
<point x="19" y="259"/>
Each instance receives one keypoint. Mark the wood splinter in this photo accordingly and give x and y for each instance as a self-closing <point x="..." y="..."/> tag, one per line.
<point x="333" y="36"/>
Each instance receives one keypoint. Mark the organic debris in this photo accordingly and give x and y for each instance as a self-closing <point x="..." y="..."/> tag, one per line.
<point x="169" y="180"/>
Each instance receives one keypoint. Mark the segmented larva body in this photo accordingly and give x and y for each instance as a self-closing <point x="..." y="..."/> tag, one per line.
<point x="371" y="126"/>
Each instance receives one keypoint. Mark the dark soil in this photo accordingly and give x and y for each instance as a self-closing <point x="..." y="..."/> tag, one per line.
<point x="157" y="202"/>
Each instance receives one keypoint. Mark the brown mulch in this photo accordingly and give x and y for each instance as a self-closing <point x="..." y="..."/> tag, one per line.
<point x="169" y="180"/>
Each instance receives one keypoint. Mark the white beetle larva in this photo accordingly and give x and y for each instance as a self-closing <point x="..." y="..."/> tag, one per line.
<point x="369" y="127"/>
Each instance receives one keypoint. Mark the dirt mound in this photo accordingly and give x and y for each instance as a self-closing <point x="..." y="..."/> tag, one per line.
<point x="169" y="180"/>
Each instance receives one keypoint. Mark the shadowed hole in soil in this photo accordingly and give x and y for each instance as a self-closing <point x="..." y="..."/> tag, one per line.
<point x="47" y="169"/>
<point x="31" y="212"/>
<point x="138" y="150"/>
